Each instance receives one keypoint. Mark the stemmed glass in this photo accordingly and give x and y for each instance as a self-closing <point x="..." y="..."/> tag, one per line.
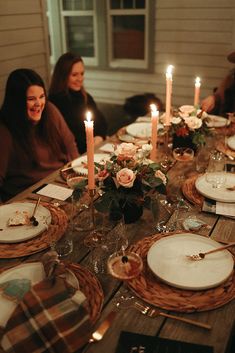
<point x="79" y="203"/>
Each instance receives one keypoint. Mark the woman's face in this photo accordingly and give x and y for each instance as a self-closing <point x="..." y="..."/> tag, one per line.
<point x="36" y="99"/>
<point x="76" y="76"/>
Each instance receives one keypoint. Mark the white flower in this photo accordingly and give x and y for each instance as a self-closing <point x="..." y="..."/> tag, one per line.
<point x="193" y="122"/>
<point x="125" y="177"/>
<point x="126" y="150"/>
<point x="147" y="147"/>
<point x="176" y="121"/>
<point x="161" y="175"/>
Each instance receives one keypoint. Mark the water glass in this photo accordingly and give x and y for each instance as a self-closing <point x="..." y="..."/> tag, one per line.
<point x="63" y="246"/>
<point x="215" y="173"/>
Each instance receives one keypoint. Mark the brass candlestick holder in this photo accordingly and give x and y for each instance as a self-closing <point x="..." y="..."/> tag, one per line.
<point x="92" y="193"/>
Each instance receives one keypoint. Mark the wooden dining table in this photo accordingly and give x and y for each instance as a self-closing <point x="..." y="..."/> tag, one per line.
<point x="221" y="336"/>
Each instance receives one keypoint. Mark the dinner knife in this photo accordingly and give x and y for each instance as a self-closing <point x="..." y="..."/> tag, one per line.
<point x="98" y="334"/>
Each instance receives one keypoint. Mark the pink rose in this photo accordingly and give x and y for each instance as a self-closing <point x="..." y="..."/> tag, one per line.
<point x="125" y="177"/>
<point x="127" y="150"/>
<point x="102" y="174"/>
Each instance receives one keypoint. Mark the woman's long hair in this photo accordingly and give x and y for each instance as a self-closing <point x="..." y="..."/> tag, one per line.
<point x="13" y="113"/>
<point x="60" y="76"/>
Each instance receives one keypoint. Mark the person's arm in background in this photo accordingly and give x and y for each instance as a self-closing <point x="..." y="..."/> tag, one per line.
<point x="208" y="103"/>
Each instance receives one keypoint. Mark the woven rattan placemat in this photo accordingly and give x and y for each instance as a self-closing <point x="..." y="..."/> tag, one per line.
<point x="91" y="287"/>
<point x="152" y="290"/>
<point x="54" y="232"/>
<point x="190" y="192"/>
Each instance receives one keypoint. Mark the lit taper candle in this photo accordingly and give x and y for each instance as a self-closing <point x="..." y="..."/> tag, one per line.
<point x="154" y="122"/>
<point x="197" y="91"/>
<point x="89" y="127"/>
<point x="168" y="94"/>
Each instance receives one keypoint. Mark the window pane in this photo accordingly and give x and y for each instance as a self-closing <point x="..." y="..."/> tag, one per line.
<point x="128" y="37"/>
<point x="115" y="4"/>
<point x="80" y="38"/>
<point x="128" y="4"/>
<point x="140" y="4"/>
<point x="78" y="4"/>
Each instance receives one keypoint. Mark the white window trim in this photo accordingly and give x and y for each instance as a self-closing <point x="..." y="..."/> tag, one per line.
<point x="68" y="13"/>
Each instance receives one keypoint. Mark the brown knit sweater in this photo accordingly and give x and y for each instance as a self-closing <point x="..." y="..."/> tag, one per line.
<point x="17" y="172"/>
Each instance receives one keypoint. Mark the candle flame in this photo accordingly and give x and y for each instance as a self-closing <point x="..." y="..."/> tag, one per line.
<point x="88" y="116"/>
<point x="153" y="107"/>
<point x="197" y="82"/>
<point x="169" y="72"/>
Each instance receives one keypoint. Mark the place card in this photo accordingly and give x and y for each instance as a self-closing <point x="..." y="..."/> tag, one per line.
<point x="225" y="209"/>
<point x="55" y="192"/>
<point x="130" y="342"/>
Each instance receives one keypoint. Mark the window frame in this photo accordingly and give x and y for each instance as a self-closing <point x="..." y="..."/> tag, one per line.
<point x="101" y="13"/>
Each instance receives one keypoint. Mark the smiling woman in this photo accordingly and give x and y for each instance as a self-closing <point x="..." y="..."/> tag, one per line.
<point x="33" y="135"/>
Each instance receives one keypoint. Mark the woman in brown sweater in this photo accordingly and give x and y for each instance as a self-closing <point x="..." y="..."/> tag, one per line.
<point x="34" y="138"/>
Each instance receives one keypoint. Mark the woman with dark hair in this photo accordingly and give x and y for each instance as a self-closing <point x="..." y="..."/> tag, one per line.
<point x="34" y="139"/>
<point x="68" y="94"/>
<point x="222" y="101"/>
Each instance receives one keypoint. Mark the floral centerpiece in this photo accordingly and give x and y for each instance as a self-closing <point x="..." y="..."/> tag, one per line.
<point x="127" y="180"/>
<point x="189" y="127"/>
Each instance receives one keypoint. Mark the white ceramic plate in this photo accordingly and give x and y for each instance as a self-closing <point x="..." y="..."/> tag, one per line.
<point x="126" y="138"/>
<point x="167" y="260"/>
<point x="141" y="130"/>
<point x="231" y="142"/>
<point x="79" y="164"/>
<point x="218" y="194"/>
<point x="217" y="121"/>
<point x="16" y="234"/>
<point x="33" y="271"/>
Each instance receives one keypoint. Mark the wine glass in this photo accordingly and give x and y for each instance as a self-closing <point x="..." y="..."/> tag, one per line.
<point x="108" y="236"/>
<point x="79" y="208"/>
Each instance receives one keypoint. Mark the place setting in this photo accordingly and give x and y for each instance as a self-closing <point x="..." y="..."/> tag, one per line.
<point x="29" y="227"/>
<point x="174" y="278"/>
<point x="48" y="278"/>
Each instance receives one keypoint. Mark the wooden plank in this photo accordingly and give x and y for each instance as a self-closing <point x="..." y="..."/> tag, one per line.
<point x="19" y="7"/>
<point x="26" y="61"/>
<point x="194" y="4"/>
<point x="187" y="13"/>
<point x="206" y="25"/>
<point x="194" y="37"/>
<point x="20" y="50"/>
<point x="20" y="36"/>
<point x="20" y="21"/>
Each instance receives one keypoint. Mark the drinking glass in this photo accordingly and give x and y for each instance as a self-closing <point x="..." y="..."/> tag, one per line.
<point x="107" y="237"/>
<point x="215" y="173"/>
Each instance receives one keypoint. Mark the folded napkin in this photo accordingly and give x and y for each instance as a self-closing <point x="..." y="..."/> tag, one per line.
<point x="51" y="317"/>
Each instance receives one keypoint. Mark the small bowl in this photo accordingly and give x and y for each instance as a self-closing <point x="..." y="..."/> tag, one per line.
<point x="125" y="266"/>
<point x="183" y="154"/>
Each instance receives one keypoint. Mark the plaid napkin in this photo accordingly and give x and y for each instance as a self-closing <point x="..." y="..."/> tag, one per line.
<point x="51" y="317"/>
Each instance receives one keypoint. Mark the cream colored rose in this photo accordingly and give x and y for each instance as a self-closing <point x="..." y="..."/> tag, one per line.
<point x="161" y="175"/>
<point x="147" y="147"/>
<point x="176" y="120"/>
<point x="126" y="150"/>
<point x="125" y="177"/>
<point x="193" y="122"/>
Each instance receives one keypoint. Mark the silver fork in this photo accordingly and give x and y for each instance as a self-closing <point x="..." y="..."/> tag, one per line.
<point x="152" y="312"/>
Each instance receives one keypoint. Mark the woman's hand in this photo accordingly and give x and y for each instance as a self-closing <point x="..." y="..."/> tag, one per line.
<point x="98" y="140"/>
<point x="208" y="103"/>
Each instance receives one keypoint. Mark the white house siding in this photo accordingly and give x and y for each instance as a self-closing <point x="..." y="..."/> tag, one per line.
<point x="23" y="38"/>
<point x="193" y="35"/>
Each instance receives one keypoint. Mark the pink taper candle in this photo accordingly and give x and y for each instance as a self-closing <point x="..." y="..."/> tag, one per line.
<point x="154" y="121"/>
<point x="168" y="94"/>
<point x="197" y="91"/>
<point x="89" y="126"/>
